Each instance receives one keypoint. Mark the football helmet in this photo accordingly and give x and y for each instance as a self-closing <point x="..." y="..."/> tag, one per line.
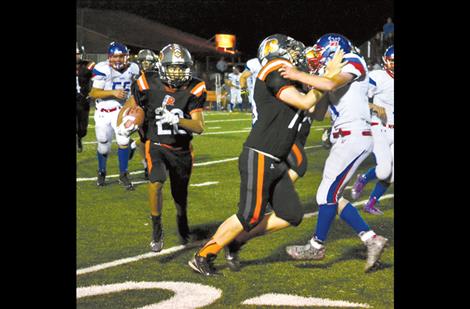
<point x="389" y="60"/>
<point x="324" y="48"/>
<point x="118" y="56"/>
<point x="280" y="45"/>
<point x="147" y="59"/>
<point x="175" y="65"/>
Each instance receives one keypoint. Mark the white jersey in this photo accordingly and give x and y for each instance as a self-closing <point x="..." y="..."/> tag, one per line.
<point x="381" y="88"/>
<point x="235" y="80"/>
<point x="254" y="67"/>
<point x="349" y="104"/>
<point x="107" y="78"/>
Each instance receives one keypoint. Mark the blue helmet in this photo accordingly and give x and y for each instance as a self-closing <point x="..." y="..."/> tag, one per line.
<point x="114" y="49"/>
<point x="389" y="60"/>
<point x="325" y="47"/>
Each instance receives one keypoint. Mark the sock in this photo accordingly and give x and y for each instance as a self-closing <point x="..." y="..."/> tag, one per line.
<point x="144" y="162"/>
<point x="156" y="226"/>
<point x="366" y="235"/>
<point x="102" y="161"/>
<point x="352" y="217"/>
<point x="379" y="189"/>
<point x="123" y="156"/>
<point x="370" y="175"/>
<point x="316" y="243"/>
<point x="326" y="215"/>
<point x="211" y="247"/>
<point x="235" y="246"/>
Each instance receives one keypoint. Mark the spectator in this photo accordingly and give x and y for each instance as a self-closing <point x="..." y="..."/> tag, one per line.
<point x="388" y="29"/>
<point x="222" y="65"/>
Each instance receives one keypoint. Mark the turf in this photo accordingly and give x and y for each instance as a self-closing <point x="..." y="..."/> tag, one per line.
<point x="113" y="223"/>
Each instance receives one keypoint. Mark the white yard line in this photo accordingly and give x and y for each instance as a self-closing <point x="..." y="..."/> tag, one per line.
<point x="204" y="184"/>
<point x="214" y="127"/>
<point x="225" y="132"/>
<point x="141" y="171"/>
<point x="228" y="120"/>
<point x="98" y="267"/>
<point x="315" y="146"/>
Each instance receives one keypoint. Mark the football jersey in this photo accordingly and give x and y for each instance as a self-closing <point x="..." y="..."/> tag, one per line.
<point x="150" y="93"/>
<point x="235" y="80"/>
<point x="381" y="88"/>
<point x="349" y="104"/>
<point x="304" y="128"/>
<point x="253" y="66"/>
<point x="276" y="128"/>
<point x="84" y="74"/>
<point x="107" y="78"/>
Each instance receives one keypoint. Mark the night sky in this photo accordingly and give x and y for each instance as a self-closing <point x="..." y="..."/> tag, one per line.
<point x="251" y="21"/>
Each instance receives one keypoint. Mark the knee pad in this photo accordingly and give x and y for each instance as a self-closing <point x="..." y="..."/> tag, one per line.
<point x="383" y="171"/>
<point x="104" y="148"/>
<point x="122" y="141"/>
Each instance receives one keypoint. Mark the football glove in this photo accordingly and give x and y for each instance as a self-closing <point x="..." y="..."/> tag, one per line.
<point x="169" y="117"/>
<point x="122" y="130"/>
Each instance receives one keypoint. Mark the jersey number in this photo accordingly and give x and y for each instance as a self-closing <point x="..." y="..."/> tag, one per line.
<point x="174" y="129"/>
<point x="125" y="86"/>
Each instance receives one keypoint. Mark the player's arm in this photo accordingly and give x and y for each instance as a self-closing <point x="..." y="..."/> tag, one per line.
<point x="245" y="75"/>
<point x="331" y="80"/>
<point x="195" y="124"/>
<point x="98" y="93"/>
<point x="295" y="98"/>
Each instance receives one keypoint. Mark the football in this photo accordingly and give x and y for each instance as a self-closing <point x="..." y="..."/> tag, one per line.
<point x="136" y="112"/>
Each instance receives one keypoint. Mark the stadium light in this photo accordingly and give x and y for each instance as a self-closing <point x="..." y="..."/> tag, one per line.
<point x="225" y="41"/>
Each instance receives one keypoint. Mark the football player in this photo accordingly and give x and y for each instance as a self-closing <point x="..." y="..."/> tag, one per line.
<point x="262" y="163"/>
<point x="381" y="90"/>
<point x="147" y="61"/>
<point x="111" y="84"/>
<point x="233" y="81"/>
<point x="347" y="96"/>
<point x="247" y="81"/>
<point x="173" y="102"/>
<point x="84" y="74"/>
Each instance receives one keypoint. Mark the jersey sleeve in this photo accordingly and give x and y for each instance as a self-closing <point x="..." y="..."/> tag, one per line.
<point x="276" y="83"/>
<point x="99" y="74"/>
<point x="372" y="90"/>
<point x="139" y="89"/>
<point x="354" y="66"/>
<point x="198" y="98"/>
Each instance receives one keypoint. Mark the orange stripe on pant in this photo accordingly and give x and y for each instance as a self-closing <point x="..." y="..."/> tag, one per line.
<point x="259" y="188"/>
<point x="147" y="155"/>
<point x="297" y="154"/>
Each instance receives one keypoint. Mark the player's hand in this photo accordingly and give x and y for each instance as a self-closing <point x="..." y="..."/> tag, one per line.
<point x="169" y="117"/>
<point x="122" y="130"/>
<point x="380" y="111"/>
<point x="120" y="94"/>
<point x="289" y="72"/>
<point x="244" y="91"/>
<point x="335" y="65"/>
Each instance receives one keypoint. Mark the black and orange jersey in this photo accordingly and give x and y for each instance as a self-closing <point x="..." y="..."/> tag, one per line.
<point x="150" y="93"/>
<point x="276" y="128"/>
<point x="304" y="128"/>
<point x="84" y="74"/>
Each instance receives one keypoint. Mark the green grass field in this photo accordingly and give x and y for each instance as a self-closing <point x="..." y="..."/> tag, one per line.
<point x="113" y="224"/>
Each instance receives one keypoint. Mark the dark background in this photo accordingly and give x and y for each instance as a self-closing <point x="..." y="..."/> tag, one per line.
<point x="252" y="21"/>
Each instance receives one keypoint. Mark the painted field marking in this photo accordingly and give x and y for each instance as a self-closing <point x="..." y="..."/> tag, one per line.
<point x="187" y="295"/>
<point x="141" y="171"/>
<point x="214" y="127"/>
<point x="273" y="299"/>
<point x="204" y="184"/>
<point x="178" y="248"/>
<point x="228" y="120"/>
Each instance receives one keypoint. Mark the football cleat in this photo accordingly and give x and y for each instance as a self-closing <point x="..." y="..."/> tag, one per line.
<point x="358" y="187"/>
<point x="375" y="246"/>
<point x="307" y="252"/>
<point x="369" y="207"/>
<point x="231" y="256"/>
<point x="101" y="178"/>
<point x="157" y="245"/>
<point x="132" y="148"/>
<point x="203" y="265"/>
<point x="124" y="180"/>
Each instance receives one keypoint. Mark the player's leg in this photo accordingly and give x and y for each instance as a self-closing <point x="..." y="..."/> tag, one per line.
<point x="104" y="135"/>
<point x="123" y="154"/>
<point x="380" y="143"/>
<point x="255" y="183"/>
<point x="180" y="166"/>
<point x="157" y="176"/>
